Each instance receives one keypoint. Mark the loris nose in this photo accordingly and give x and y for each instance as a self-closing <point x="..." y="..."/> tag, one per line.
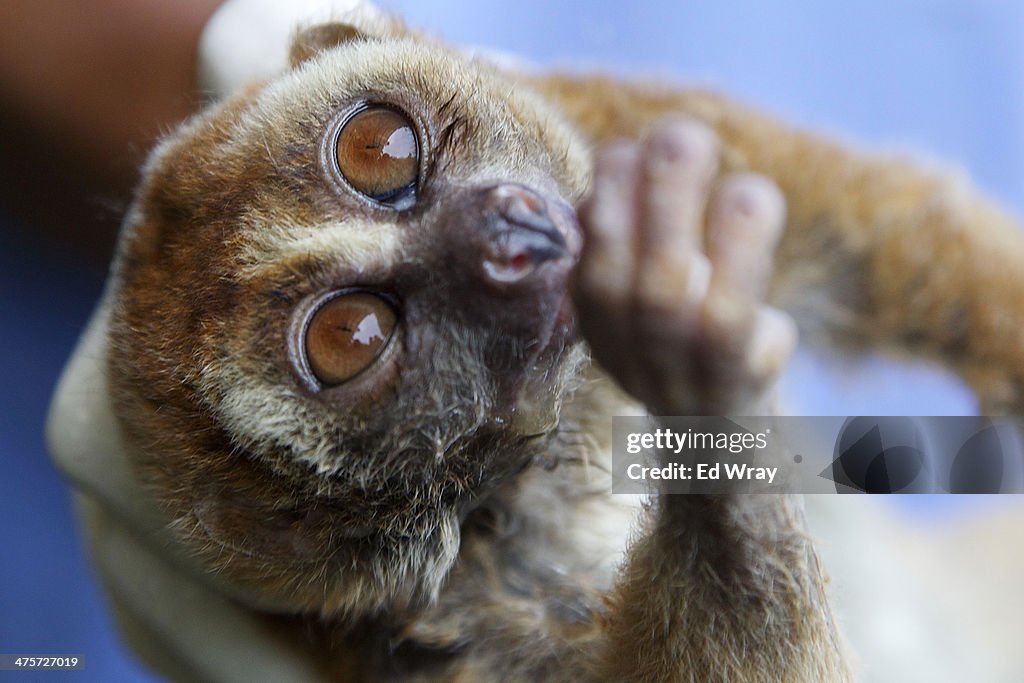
<point x="521" y="233"/>
<point x="509" y="251"/>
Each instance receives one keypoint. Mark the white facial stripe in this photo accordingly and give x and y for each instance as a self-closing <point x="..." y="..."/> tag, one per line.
<point x="355" y="244"/>
<point x="261" y="417"/>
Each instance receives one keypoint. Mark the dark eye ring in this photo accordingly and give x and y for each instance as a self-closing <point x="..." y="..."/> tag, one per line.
<point x="377" y="153"/>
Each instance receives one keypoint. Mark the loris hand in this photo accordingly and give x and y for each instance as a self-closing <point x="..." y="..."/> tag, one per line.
<point x="676" y="263"/>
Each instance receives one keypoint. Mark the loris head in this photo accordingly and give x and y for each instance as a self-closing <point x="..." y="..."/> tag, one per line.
<point x="342" y="315"/>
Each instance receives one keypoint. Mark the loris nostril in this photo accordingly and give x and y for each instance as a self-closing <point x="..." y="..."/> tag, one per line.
<point x="522" y="207"/>
<point x="506" y="274"/>
<point x="515" y="251"/>
<point x="509" y="270"/>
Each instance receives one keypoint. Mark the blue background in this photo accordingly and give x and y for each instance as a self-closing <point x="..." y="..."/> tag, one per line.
<point x="943" y="78"/>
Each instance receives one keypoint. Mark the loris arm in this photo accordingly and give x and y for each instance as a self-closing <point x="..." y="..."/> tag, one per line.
<point x="876" y="252"/>
<point x="669" y="291"/>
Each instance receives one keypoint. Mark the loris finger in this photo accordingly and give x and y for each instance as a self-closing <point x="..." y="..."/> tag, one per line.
<point x="746" y="218"/>
<point x="605" y="277"/>
<point x="679" y="164"/>
<point x="745" y="221"/>
<point x="606" y="216"/>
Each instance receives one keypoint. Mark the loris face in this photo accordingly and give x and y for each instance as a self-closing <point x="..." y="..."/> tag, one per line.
<point x="342" y="317"/>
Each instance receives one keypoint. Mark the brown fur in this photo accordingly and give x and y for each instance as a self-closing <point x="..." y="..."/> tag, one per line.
<point x="467" y="558"/>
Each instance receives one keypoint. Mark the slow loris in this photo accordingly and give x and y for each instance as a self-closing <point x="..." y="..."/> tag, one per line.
<point x="363" y="324"/>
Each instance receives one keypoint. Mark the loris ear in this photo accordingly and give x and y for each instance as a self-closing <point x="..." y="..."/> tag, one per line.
<point x="312" y="40"/>
<point x="309" y="42"/>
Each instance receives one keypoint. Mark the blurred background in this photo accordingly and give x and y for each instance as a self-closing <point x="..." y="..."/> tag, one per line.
<point x="942" y="79"/>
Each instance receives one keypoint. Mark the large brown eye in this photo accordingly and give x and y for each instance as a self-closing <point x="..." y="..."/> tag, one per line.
<point x="378" y="154"/>
<point x="346" y="334"/>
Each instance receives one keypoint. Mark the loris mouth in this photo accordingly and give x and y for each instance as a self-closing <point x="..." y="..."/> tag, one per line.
<point x="531" y="396"/>
<point x="562" y="331"/>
